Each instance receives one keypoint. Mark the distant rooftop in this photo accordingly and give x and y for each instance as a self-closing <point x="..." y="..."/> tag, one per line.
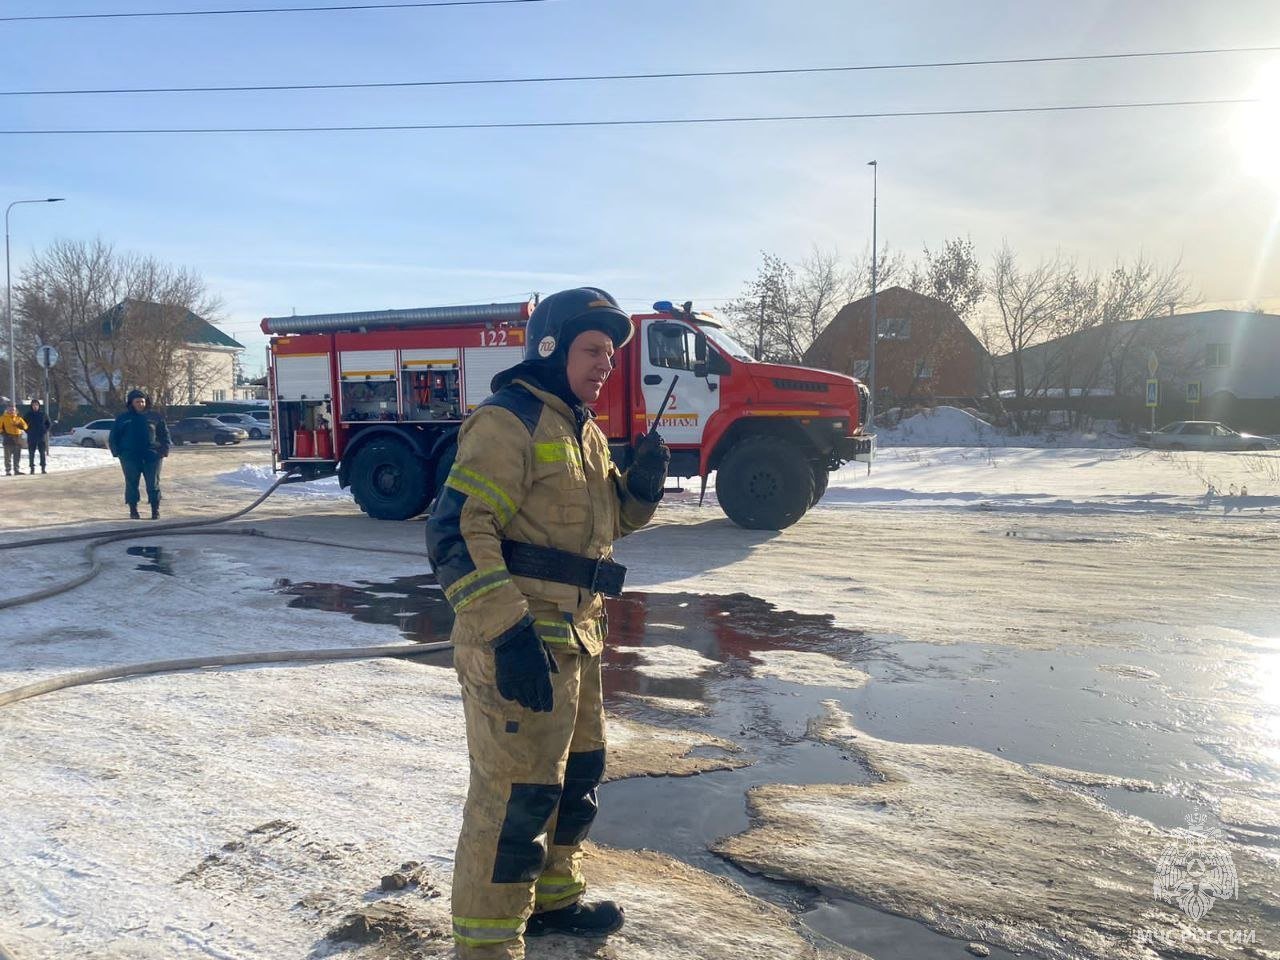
<point x="196" y="329"/>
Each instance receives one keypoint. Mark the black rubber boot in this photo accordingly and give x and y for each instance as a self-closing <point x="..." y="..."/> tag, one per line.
<point x="590" y="920"/>
<point x="155" y="511"/>
<point x="133" y="512"/>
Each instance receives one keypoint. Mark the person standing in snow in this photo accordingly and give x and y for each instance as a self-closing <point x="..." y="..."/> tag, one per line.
<point x="38" y="429"/>
<point x="140" y="439"/>
<point x="520" y="539"/>
<point x="12" y="427"/>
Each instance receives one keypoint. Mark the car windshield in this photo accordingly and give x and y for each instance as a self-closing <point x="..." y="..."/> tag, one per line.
<point x="726" y="343"/>
<point x="1170" y="428"/>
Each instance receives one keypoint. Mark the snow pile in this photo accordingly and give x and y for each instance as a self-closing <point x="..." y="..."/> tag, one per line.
<point x="952" y="427"/>
<point x="63" y="457"/>
<point x="940" y="427"/>
<point x="259" y="477"/>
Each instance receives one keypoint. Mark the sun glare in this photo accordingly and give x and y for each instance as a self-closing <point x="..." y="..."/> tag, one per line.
<point x="1259" y="131"/>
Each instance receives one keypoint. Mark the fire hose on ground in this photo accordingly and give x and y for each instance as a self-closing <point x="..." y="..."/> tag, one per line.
<point x="183" y="528"/>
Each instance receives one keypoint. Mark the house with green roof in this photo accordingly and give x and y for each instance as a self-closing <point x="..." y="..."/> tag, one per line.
<point x="168" y="349"/>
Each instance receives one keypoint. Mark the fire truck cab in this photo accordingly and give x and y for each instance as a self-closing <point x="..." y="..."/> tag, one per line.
<point x="377" y="398"/>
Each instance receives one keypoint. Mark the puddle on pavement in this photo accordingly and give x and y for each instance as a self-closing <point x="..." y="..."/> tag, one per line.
<point x="159" y="559"/>
<point x="1151" y="713"/>
<point x="414" y="604"/>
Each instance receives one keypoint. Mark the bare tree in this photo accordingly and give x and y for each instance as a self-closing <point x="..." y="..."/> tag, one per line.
<point x="762" y="315"/>
<point x="1029" y="303"/>
<point x="891" y="270"/>
<point x="955" y="276"/>
<point x="784" y="308"/>
<point x="1137" y="293"/>
<point x="120" y="321"/>
<point x="822" y="287"/>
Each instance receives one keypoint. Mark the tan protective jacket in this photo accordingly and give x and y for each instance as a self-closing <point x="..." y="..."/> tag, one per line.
<point x="524" y="473"/>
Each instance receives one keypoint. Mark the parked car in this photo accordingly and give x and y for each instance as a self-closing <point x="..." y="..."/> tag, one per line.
<point x="93" y="434"/>
<point x="256" y="429"/>
<point x="1203" y="435"/>
<point x="195" y="429"/>
<point x="263" y="415"/>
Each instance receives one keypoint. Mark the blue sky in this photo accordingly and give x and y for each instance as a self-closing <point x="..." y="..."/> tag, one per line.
<point x="347" y="221"/>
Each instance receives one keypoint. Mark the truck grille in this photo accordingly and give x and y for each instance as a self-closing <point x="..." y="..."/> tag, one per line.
<point x="805" y="385"/>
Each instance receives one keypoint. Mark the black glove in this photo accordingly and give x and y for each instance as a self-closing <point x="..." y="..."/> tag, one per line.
<point x="648" y="473"/>
<point x="524" y="668"/>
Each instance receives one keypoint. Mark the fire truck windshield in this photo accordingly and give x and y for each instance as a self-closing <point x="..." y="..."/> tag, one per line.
<point x="727" y="344"/>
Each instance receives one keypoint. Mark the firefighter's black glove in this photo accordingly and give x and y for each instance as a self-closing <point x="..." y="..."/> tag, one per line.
<point x="524" y="667"/>
<point x="648" y="473"/>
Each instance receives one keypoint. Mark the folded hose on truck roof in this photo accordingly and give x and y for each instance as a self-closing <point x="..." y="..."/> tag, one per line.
<point x="374" y="319"/>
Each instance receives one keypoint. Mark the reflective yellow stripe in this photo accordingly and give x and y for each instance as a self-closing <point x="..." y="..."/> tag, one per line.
<point x="557" y="451"/>
<point x="471" y="483"/>
<point x="466" y="589"/>
<point x="554" y="891"/>
<point x="473" y="932"/>
<point x="554" y="631"/>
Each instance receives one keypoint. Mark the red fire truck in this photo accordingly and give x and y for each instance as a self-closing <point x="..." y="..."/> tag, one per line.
<point x="378" y="397"/>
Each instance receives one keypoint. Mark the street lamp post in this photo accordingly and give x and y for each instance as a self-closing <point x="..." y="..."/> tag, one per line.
<point x="8" y="297"/>
<point x="871" y="355"/>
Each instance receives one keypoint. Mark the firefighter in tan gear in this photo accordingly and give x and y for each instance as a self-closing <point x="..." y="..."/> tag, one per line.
<point x="521" y="539"/>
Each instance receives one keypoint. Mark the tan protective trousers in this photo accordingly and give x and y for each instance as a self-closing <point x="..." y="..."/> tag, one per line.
<point x="530" y="803"/>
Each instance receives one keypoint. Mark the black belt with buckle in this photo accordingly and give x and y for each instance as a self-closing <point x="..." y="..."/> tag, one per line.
<point x="561" y="566"/>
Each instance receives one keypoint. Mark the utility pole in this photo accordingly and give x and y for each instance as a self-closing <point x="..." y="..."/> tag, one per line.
<point x="875" y="261"/>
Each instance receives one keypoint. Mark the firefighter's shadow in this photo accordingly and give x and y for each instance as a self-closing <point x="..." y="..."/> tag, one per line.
<point x="670" y="551"/>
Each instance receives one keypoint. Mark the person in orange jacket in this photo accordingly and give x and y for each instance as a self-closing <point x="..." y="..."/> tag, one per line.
<point x="13" y="428"/>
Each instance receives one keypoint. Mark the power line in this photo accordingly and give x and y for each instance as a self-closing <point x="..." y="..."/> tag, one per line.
<point x="671" y="75"/>
<point x="215" y="13"/>
<point x="653" y="122"/>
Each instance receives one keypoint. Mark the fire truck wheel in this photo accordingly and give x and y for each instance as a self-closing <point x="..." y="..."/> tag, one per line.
<point x="389" y="481"/>
<point x="820" y="477"/>
<point x="764" y="483"/>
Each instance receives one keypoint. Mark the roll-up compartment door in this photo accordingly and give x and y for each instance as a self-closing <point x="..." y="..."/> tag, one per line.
<point x="367" y="364"/>
<point x="303" y="376"/>
<point x="479" y="366"/>
<point x="428" y="358"/>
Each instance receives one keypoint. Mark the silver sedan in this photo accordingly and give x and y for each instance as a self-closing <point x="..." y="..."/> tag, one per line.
<point x="1204" y="435"/>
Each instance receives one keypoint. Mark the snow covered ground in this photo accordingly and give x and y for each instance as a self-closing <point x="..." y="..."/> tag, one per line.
<point x="247" y="812"/>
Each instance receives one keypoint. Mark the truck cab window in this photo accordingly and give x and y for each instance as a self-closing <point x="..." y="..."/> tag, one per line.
<point x="671" y="345"/>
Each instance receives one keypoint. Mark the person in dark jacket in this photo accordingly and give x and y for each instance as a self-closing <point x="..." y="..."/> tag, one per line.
<point x="140" y="439"/>
<point x="39" y="426"/>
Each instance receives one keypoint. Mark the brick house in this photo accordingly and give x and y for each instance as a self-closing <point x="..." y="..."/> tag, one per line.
<point x="924" y="350"/>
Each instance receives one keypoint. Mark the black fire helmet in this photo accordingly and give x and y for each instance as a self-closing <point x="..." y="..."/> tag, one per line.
<point x="560" y="317"/>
